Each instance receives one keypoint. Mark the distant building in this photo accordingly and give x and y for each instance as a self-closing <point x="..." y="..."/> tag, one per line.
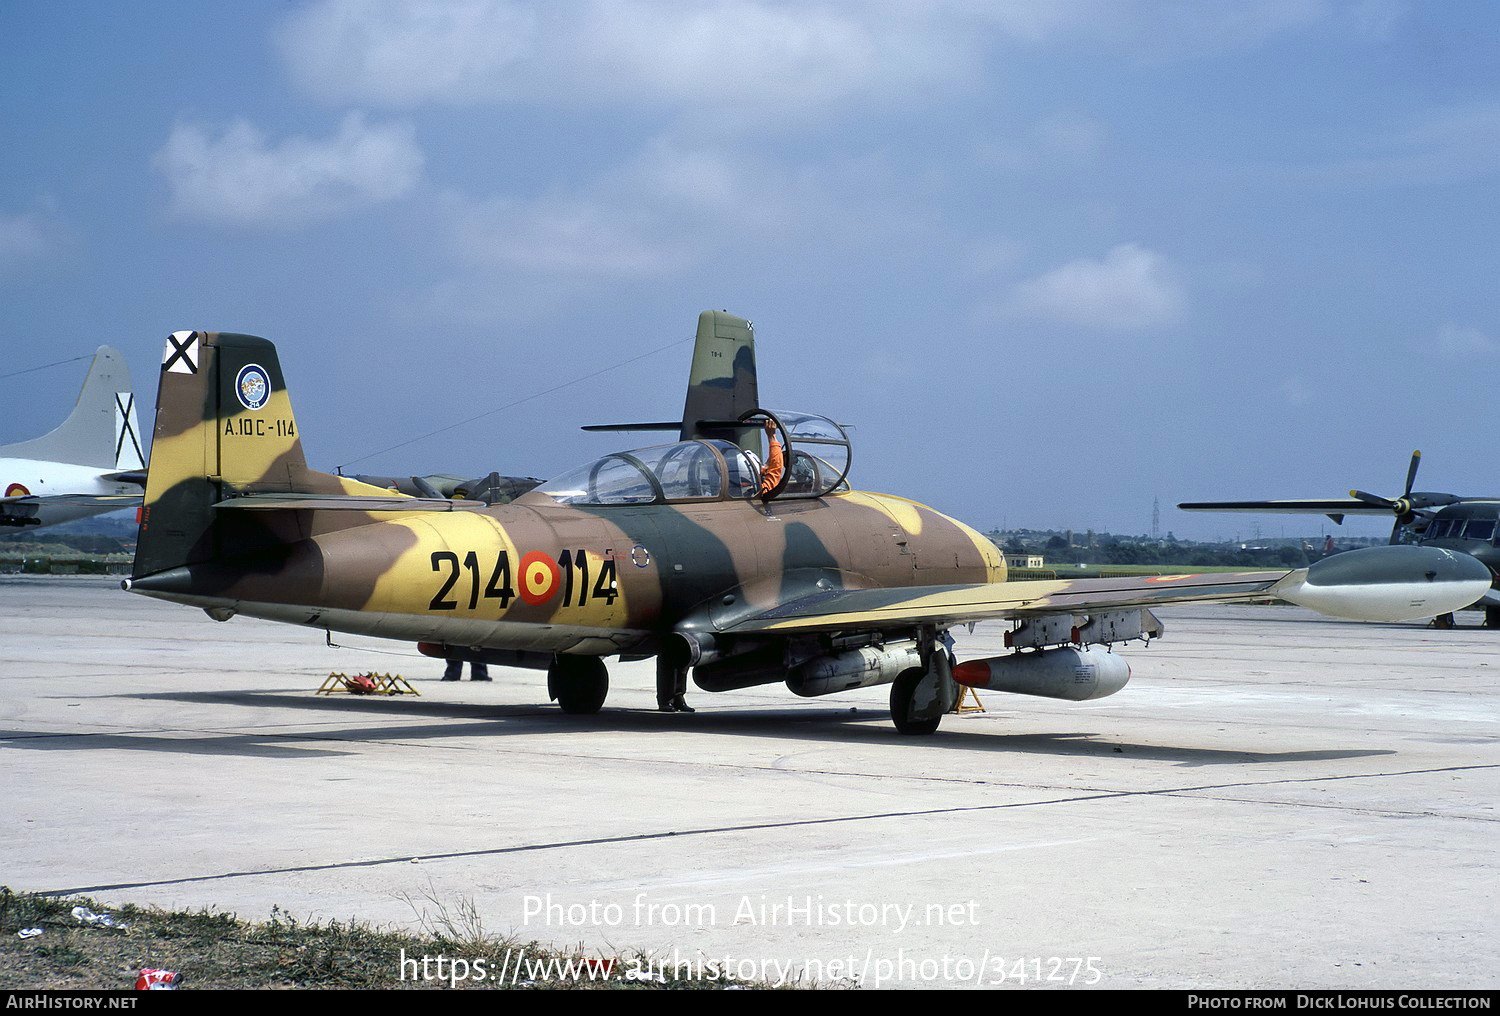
<point x="1024" y="561"/>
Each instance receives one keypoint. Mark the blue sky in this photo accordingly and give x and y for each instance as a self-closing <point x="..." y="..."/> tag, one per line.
<point x="1053" y="259"/>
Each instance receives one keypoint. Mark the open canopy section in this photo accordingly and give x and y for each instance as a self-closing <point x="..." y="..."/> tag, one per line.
<point x="817" y="452"/>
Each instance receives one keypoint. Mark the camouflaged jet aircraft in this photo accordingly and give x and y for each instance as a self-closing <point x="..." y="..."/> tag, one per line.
<point x="90" y="464"/>
<point x="691" y="552"/>
<point x="1469" y="525"/>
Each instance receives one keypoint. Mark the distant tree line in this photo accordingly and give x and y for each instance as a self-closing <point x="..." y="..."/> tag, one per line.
<point x="1110" y="550"/>
<point x="84" y="543"/>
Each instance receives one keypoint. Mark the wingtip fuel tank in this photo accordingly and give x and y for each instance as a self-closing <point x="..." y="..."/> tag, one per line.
<point x="1392" y="583"/>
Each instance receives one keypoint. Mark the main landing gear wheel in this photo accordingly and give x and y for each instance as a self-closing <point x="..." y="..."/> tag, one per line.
<point x="1492" y="617"/>
<point x="901" y="705"/>
<point x="579" y="683"/>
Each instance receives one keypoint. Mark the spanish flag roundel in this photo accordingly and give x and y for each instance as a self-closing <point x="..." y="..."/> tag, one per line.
<point x="539" y="578"/>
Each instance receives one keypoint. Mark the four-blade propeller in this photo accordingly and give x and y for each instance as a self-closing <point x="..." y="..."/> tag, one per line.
<point x="1408" y="507"/>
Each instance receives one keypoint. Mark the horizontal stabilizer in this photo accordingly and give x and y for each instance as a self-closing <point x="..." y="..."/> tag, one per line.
<point x="702" y="426"/>
<point x="135" y="476"/>
<point x="612" y="427"/>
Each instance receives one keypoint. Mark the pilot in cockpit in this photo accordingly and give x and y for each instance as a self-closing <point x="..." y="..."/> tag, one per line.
<point x="770" y="476"/>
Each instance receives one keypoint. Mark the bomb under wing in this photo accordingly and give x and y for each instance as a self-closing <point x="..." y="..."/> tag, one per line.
<point x="674" y="551"/>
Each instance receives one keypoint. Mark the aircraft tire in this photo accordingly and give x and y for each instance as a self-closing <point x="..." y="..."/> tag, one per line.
<point x="901" y="692"/>
<point x="1492" y="617"/>
<point x="581" y="683"/>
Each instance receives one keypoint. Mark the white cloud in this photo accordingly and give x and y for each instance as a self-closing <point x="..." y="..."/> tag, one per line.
<point x="28" y="237"/>
<point x="240" y="177"/>
<point x="399" y="52"/>
<point x="1375" y="19"/>
<point x="1459" y="342"/>
<point x="668" y="207"/>
<point x="1129" y="289"/>
<point x="672" y="209"/>
<point x="1450" y="144"/>
<point x="1166" y="30"/>
<point x="1442" y="146"/>
<point x="787" y="59"/>
<point x="989" y="256"/>
<point x="22" y="237"/>
<point x="748" y="56"/>
<point x="1296" y="390"/>
<point x="571" y="235"/>
<point x="725" y="189"/>
<point x="1055" y="142"/>
<point x="755" y="53"/>
<point x="654" y="214"/>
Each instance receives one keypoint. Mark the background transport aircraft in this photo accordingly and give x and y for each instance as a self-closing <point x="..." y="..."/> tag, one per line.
<point x="688" y="552"/>
<point x="1468" y="525"/>
<point x="492" y="488"/>
<point x="90" y="465"/>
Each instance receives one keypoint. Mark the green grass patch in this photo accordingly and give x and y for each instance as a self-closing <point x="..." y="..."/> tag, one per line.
<point x="215" y="949"/>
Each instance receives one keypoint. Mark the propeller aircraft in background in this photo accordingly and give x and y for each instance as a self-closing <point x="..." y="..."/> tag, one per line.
<point x="89" y="465"/>
<point x="492" y="488"/>
<point x="1468" y="525"/>
<point x="691" y="552"/>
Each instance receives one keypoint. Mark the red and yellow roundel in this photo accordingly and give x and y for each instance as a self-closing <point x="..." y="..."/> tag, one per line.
<point x="539" y="578"/>
<point x="16" y="490"/>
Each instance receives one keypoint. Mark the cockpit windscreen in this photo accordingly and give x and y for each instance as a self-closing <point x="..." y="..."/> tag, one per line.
<point x="663" y="474"/>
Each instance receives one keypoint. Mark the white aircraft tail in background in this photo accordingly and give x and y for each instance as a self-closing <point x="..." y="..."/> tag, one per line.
<point x="89" y="465"/>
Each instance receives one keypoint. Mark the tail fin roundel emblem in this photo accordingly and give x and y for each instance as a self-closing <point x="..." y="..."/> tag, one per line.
<point x="252" y="387"/>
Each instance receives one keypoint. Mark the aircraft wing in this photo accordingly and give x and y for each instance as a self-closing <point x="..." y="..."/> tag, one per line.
<point x="1393" y="583"/>
<point x="1291" y="506"/>
<point x="75" y="500"/>
<point x="837" y="609"/>
<point x="345" y="502"/>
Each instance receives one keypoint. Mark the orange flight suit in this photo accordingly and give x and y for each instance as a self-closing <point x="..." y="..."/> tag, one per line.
<point x="775" y="465"/>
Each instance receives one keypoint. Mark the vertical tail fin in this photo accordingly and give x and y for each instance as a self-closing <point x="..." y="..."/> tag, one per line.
<point x="101" y="431"/>
<point x="224" y="426"/>
<point x="721" y="383"/>
<point x="128" y="454"/>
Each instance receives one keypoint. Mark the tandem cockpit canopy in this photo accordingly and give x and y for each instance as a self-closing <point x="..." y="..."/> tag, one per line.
<point x="816" y="451"/>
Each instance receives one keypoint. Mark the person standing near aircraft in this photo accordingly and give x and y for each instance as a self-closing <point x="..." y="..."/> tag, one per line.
<point x="455" y="671"/>
<point x="671" y="676"/>
<point x="671" y="685"/>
